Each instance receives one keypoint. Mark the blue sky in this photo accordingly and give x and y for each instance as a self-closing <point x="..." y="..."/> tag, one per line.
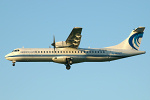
<point x="32" y="24"/>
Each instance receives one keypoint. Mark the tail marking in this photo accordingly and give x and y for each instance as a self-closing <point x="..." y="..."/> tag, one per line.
<point x="135" y="37"/>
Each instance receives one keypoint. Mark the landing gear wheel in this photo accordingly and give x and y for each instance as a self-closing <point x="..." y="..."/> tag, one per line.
<point x="68" y="67"/>
<point x="13" y="64"/>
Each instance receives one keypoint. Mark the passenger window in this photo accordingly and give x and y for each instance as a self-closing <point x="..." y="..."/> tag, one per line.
<point x="52" y="51"/>
<point x="41" y="51"/>
<point x="74" y="51"/>
<point x="78" y="51"/>
<point x="63" y="51"/>
<point x="49" y="51"/>
<point x="35" y="51"/>
<point x="100" y="51"/>
<point x="66" y="51"/>
<point x="69" y="51"/>
<point x="58" y="51"/>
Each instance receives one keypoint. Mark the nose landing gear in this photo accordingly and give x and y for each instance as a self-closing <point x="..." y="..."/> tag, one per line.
<point x="13" y="63"/>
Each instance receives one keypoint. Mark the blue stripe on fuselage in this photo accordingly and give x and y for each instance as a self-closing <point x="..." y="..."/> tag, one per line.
<point x="64" y="55"/>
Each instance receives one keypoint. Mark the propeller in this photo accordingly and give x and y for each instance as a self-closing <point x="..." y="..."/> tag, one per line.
<point x="54" y="44"/>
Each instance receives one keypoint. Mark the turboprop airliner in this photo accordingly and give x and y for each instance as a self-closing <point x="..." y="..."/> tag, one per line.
<point x="68" y="52"/>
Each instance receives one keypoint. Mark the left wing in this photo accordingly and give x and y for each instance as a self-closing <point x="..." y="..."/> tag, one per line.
<point x="75" y="37"/>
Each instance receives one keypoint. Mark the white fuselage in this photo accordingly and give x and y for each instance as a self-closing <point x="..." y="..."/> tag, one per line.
<point x="77" y="55"/>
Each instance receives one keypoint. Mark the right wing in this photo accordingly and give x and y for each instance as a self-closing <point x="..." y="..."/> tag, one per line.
<point x="75" y="37"/>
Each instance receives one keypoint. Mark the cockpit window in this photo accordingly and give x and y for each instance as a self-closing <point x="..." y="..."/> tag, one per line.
<point x="17" y="50"/>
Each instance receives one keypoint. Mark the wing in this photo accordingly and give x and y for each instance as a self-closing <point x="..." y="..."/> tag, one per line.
<point x="75" y="37"/>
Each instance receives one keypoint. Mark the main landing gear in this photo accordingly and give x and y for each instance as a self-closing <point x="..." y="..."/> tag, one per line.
<point x="68" y="63"/>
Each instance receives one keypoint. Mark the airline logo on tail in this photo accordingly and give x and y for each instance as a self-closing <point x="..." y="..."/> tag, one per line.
<point x="135" y="40"/>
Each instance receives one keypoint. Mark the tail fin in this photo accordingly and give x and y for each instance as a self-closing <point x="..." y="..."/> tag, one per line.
<point x="133" y="41"/>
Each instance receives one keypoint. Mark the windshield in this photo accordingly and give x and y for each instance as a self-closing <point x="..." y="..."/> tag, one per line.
<point x="16" y="50"/>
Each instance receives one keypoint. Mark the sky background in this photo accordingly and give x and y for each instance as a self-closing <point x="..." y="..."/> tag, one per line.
<point x="32" y="24"/>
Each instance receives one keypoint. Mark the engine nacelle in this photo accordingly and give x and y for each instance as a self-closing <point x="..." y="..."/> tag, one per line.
<point x="62" y="44"/>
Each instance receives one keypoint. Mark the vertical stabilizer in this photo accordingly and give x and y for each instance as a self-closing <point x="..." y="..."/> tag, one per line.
<point x="133" y="41"/>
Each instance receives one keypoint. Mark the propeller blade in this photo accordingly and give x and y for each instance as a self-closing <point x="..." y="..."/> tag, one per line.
<point x="54" y="44"/>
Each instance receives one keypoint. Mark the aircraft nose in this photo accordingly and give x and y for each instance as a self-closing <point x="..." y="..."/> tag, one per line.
<point x="6" y="57"/>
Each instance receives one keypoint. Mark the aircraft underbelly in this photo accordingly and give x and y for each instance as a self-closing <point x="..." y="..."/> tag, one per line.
<point x="96" y="59"/>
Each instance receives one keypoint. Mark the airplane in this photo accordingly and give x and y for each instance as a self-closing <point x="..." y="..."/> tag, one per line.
<point x="68" y="52"/>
